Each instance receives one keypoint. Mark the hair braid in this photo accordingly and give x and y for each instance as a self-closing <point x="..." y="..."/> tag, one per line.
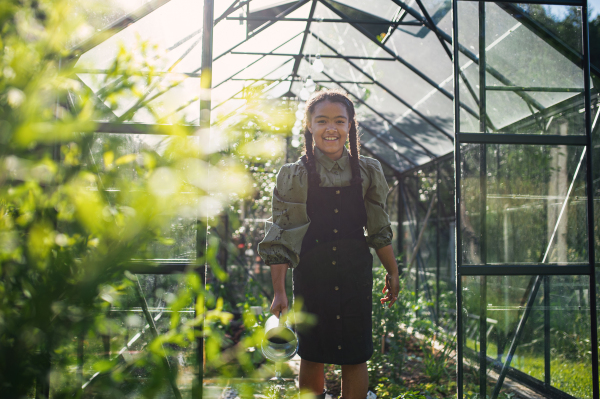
<point x="313" y="176"/>
<point x="354" y="152"/>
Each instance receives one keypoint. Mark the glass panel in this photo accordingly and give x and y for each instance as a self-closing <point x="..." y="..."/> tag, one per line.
<point x="126" y="337"/>
<point x="179" y="233"/>
<point x="175" y="27"/>
<point x="381" y="8"/>
<point x="101" y="14"/>
<point x="533" y="79"/>
<point x="346" y="39"/>
<point x="535" y="204"/>
<point x="596" y="176"/>
<point x="552" y="345"/>
<point x="446" y="252"/>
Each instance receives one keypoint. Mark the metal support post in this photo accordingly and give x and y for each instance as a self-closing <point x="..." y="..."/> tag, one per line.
<point x="205" y="109"/>
<point x="547" y="373"/>
<point x="438" y="241"/>
<point x="483" y="207"/>
<point x="400" y="218"/>
<point x="457" y="205"/>
<point x="590" y="198"/>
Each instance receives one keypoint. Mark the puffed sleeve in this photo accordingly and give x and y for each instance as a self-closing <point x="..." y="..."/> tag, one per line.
<point x="283" y="241"/>
<point x="378" y="222"/>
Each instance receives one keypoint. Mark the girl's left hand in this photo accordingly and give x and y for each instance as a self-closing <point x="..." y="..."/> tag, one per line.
<point x="392" y="286"/>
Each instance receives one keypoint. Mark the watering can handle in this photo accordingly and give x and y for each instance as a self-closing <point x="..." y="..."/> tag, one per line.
<point x="281" y="324"/>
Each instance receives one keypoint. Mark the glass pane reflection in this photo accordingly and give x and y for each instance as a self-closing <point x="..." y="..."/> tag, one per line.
<point x="533" y="79"/>
<point x="553" y="345"/>
<point x="535" y="204"/>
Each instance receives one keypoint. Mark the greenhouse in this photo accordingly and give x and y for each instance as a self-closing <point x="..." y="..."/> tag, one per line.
<point x="140" y="147"/>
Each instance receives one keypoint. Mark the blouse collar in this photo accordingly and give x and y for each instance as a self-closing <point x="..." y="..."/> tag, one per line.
<point x="328" y="163"/>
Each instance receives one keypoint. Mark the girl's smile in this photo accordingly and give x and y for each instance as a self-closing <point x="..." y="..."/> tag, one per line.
<point x="329" y="125"/>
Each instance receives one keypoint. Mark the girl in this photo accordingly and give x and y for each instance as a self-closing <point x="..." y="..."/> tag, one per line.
<point x="321" y="205"/>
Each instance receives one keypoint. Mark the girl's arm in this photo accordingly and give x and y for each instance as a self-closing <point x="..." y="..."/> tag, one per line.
<point x="280" y="301"/>
<point x="392" y="279"/>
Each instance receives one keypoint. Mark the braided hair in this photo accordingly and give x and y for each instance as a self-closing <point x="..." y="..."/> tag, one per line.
<point x="333" y="96"/>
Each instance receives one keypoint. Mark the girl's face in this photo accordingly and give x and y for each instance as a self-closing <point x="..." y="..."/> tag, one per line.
<point x="329" y="125"/>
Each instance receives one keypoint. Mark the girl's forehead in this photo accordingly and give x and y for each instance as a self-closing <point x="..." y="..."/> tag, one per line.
<point x="330" y="109"/>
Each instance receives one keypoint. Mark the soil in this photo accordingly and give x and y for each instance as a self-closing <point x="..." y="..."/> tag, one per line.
<point x="413" y="376"/>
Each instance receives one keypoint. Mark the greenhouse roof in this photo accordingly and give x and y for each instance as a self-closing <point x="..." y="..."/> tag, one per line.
<point x="392" y="56"/>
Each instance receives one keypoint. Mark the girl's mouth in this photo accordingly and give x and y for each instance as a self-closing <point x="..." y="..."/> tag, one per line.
<point x="330" y="138"/>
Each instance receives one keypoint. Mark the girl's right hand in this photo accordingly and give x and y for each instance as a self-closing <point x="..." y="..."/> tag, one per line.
<point x="280" y="304"/>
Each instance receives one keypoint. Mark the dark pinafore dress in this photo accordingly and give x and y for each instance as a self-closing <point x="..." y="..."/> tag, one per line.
<point x="334" y="278"/>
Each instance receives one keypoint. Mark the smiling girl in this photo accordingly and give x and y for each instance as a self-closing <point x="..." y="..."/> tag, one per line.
<point x="321" y="206"/>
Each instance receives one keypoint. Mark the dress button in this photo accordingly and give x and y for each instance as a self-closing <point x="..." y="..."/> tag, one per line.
<point x="335" y="248"/>
<point x="335" y="210"/>
<point x="338" y="317"/>
<point x="333" y="263"/>
<point x="335" y="231"/>
<point x="337" y="191"/>
<point x="340" y="347"/>
<point x="337" y="288"/>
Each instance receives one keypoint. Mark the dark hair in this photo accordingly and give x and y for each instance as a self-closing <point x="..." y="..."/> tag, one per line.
<point x="333" y="96"/>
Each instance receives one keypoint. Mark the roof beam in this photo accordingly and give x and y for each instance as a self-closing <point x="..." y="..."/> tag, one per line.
<point x="254" y="62"/>
<point x="436" y="31"/>
<point x="232" y="8"/>
<point x="284" y="13"/>
<point x="360" y="100"/>
<point x="390" y="52"/>
<point x="116" y="27"/>
<point x="442" y="35"/>
<point x="386" y="143"/>
<point x="300" y="80"/>
<point x="382" y="160"/>
<point x="252" y="84"/>
<point x="390" y="92"/>
<point x="298" y="60"/>
<point x="325" y="20"/>
<point x="322" y="56"/>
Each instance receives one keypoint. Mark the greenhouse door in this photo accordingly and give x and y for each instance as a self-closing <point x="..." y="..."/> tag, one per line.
<point x="524" y="112"/>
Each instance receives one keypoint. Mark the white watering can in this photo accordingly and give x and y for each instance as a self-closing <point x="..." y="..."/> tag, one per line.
<point x="280" y="343"/>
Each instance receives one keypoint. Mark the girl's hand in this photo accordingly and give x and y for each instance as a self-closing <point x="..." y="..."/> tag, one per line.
<point x="280" y="304"/>
<point x="392" y="286"/>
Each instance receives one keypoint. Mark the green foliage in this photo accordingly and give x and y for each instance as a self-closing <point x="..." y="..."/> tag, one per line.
<point x="77" y="207"/>
<point x="437" y="361"/>
<point x="393" y="391"/>
<point x="389" y="341"/>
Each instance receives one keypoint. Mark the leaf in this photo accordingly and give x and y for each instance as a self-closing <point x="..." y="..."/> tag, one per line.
<point x="125" y="159"/>
<point x="108" y="159"/>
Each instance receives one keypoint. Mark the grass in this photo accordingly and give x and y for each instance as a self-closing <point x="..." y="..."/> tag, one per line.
<point x="572" y="377"/>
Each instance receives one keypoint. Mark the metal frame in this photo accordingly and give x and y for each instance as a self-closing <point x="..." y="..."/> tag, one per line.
<point x="360" y="100"/>
<point x="539" y="272"/>
<point x="481" y="138"/>
<point x="390" y="92"/>
<point x="324" y="20"/>
<point x="305" y="56"/>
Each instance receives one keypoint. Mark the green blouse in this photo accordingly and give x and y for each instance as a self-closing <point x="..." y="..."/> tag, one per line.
<point x="283" y="241"/>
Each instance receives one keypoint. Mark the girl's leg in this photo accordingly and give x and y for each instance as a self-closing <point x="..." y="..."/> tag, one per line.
<point x="312" y="376"/>
<point x="355" y="381"/>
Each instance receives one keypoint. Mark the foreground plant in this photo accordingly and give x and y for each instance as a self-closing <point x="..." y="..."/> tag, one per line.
<point x="79" y="209"/>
